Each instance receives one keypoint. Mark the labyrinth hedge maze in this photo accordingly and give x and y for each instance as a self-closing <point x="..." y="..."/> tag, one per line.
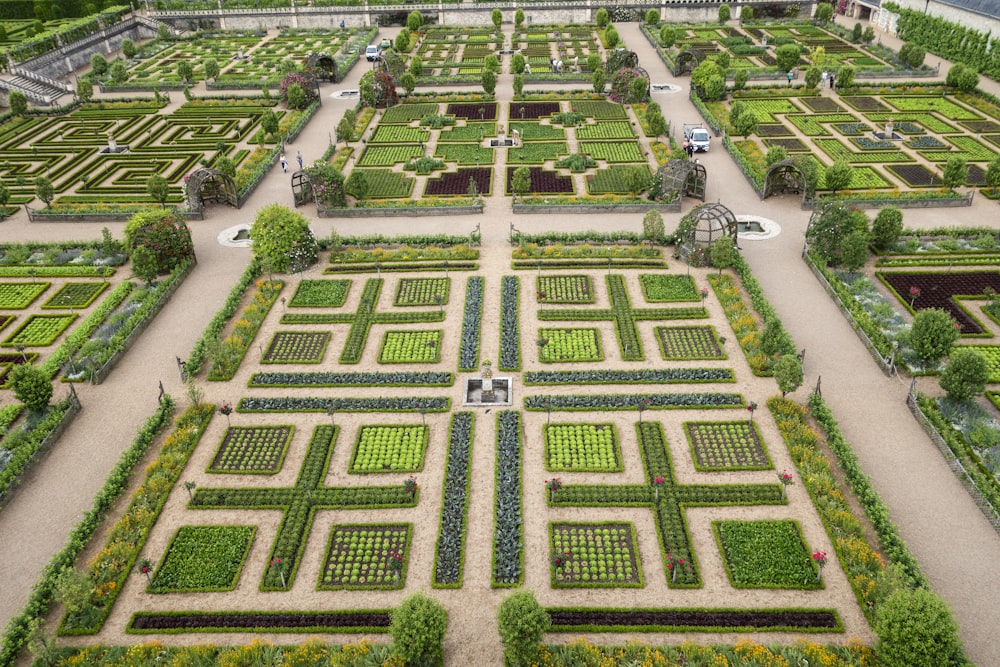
<point x="67" y="149"/>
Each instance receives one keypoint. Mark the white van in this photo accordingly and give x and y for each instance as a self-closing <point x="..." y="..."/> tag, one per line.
<point x="373" y="52"/>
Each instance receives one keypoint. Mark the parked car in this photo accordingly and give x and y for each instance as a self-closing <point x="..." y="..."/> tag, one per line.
<point x="373" y="52"/>
<point x="699" y="137"/>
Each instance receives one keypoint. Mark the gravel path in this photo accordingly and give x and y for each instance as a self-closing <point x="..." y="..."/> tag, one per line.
<point x="955" y="546"/>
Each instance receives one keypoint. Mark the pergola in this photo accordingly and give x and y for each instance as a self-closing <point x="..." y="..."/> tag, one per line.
<point x="206" y="185"/>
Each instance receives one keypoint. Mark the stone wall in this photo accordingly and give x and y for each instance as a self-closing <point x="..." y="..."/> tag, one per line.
<point x="63" y="61"/>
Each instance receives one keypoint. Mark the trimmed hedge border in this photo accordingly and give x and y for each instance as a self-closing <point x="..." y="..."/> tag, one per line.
<point x="641" y="376"/>
<point x="128" y="536"/>
<point x="449" y="559"/>
<point x="508" y="529"/>
<point x="334" y="621"/>
<point x="16" y="634"/>
<point x="214" y="328"/>
<point x="633" y="401"/>
<point x="348" y="379"/>
<point x="347" y="404"/>
<point x="510" y="328"/>
<point x="468" y="356"/>
<point x="41" y="439"/>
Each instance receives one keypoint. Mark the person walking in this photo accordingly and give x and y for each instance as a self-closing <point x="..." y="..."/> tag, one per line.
<point x="832" y="87"/>
<point x="284" y="163"/>
<point x="298" y="158"/>
<point x="790" y="77"/>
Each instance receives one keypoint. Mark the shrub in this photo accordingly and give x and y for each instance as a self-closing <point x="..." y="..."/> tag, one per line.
<point x="965" y="376"/>
<point x="44" y="189"/>
<point x="845" y="77"/>
<point x="955" y="172"/>
<point x="522" y="624"/>
<point x="518" y="84"/>
<point x="824" y="12"/>
<point x="653" y="228"/>
<point x="84" y="90"/>
<point x="144" y="266"/>
<point x="418" y="627"/>
<point x="403" y="41"/>
<point x="830" y="225"/>
<point x="854" y="250"/>
<point x="158" y="188"/>
<point x="933" y="334"/>
<point x="31" y="385"/>
<point x="915" y="629"/>
<point x="611" y="37"/>
<point x="517" y="63"/>
<point x="601" y="17"/>
<point x="308" y="90"/>
<point x="163" y="231"/>
<point x="838" y="175"/>
<point x="740" y="79"/>
<point x="518" y="17"/>
<point x="98" y="65"/>
<point x="600" y="81"/>
<point x="281" y="239"/>
<point x="787" y="56"/>
<point x="887" y="227"/>
<point x="652" y="16"/>
<point x="725" y="13"/>
<point x="723" y="253"/>
<point x="775" y="154"/>
<point x="813" y="75"/>
<point x="414" y="21"/>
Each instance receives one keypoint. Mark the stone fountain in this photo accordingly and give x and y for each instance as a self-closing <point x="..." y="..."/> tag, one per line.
<point x="487" y="390"/>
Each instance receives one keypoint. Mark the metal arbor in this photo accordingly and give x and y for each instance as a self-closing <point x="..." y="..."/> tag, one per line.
<point x="784" y="177"/>
<point x="702" y="227"/>
<point x="322" y="66"/>
<point x="685" y="63"/>
<point x="684" y="176"/>
<point x="206" y="185"/>
<point x="302" y="190"/>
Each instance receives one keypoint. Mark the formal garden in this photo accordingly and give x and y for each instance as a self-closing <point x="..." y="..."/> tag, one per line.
<point x="645" y="472"/>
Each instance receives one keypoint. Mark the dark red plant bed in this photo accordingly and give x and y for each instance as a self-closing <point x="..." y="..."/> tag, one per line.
<point x="865" y="103"/>
<point x="938" y="289"/>
<point x="543" y="182"/>
<point x="773" y="130"/>
<point x="532" y="110"/>
<point x="915" y="175"/>
<point x="332" y="621"/>
<point x="475" y="111"/>
<point x="982" y="126"/>
<point x="821" y="104"/>
<point x="667" y="620"/>
<point x="977" y="176"/>
<point x="790" y="145"/>
<point x="457" y="182"/>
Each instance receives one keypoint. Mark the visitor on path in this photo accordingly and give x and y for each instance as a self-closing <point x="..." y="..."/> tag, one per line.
<point x="284" y="163"/>
<point x="790" y="77"/>
<point x="832" y="87"/>
<point x="341" y="24"/>
<point x="689" y="148"/>
<point x="298" y="158"/>
<point x="823" y="77"/>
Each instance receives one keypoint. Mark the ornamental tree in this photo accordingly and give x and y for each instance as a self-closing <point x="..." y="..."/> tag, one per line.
<point x="517" y="63"/>
<point x="84" y="90"/>
<point x="489" y="82"/>
<point x="18" y="102"/>
<point x="185" y="70"/>
<point x="520" y="182"/>
<point x="211" y="66"/>
<point x="838" y="175"/>
<point x="775" y="154"/>
<point x="742" y="119"/>
<point x="653" y="229"/>
<point x="887" y="227"/>
<point x="402" y="43"/>
<point x="788" y="373"/>
<point x="417" y="629"/>
<point x="522" y="624"/>
<point x="965" y="376"/>
<point x="98" y="65"/>
<point x="31" y="385"/>
<point x="915" y="628"/>
<point x="933" y="333"/>
<point x="824" y="12"/>
<point x="414" y="21"/>
<point x="652" y="16"/>
<point x="44" y="190"/>
<point x="845" y="76"/>
<point x="993" y="174"/>
<point x="158" y="188"/>
<point x="828" y="228"/>
<point x="787" y="56"/>
<point x="118" y="72"/>
<point x="518" y="17"/>
<point x="668" y="36"/>
<point x="144" y="265"/>
<point x="281" y="237"/>
<point x="303" y="82"/>
<point x="723" y="253"/>
<point x="956" y="172"/>
<point x="496" y="16"/>
<point x="165" y="232"/>
<point x="725" y="13"/>
<point x="601" y="17"/>
<point x="854" y="250"/>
